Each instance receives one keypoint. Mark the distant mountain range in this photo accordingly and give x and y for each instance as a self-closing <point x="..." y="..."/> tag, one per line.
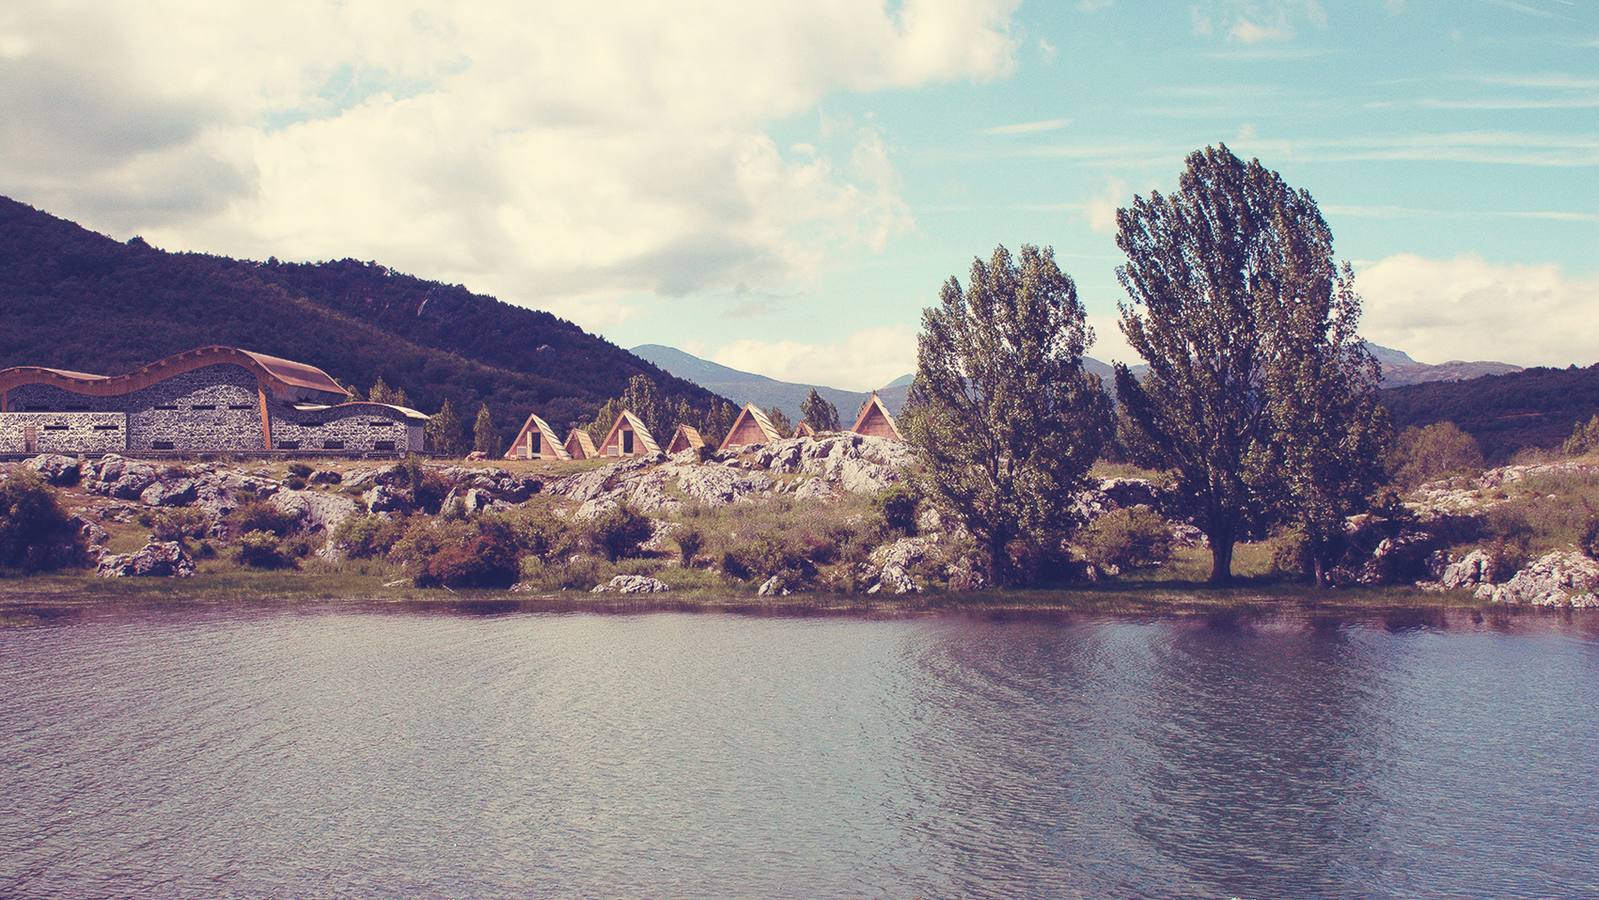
<point x="1398" y="369"/>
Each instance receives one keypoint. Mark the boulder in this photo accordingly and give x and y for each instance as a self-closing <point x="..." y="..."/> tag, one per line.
<point x="178" y="492"/>
<point x="896" y="560"/>
<point x="1561" y="578"/>
<point x="1473" y="569"/>
<point x="632" y="584"/>
<point x="471" y="500"/>
<point x="384" y="498"/>
<point x="124" y="479"/>
<point x="773" y="587"/>
<point x="326" y="476"/>
<point x="61" y="471"/>
<point x="158" y="559"/>
<point x="315" y="511"/>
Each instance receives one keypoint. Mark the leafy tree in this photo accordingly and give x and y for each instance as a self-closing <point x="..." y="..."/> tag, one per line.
<point x="822" y="415"/>
<point x="1436" y="451"/>
<point x="1001" y="407"/>
<point x="444" y="434"/>
<point x="382" y="393"/>
<point x="485" y="439"/>
<point x="1584" y="438"/>
<point x="780" y="421"/>
<point x="1259" y="398"/>
<point x="644" y="400"/>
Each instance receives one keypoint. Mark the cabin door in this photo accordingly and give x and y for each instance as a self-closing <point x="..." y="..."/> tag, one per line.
<point x="30" y="439"/>
<point x="627" y="443"/>
<point x="535" y="445"/>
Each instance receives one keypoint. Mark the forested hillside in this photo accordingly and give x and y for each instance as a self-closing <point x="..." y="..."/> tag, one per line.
<point x="1530" y="408"/>
<point x="71" y="298"/>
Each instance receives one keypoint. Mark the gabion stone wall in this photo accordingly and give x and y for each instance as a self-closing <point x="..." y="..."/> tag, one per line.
<point x="368" y="427"/>
<point x="64" y="432"/>
<point x="212" y="408"/>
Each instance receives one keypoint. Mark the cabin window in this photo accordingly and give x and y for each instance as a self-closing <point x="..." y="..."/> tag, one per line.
<point x="203" y="406"/>
<point x="241" y="406"/>
<point x="107" y="427"/>
<point x="383" y="445"/>
<point x="332" y="445"/>
<point x="288" y="445"/>
<point x="627" y="443"/>
<point x="160" y="445"/>
<point x="167" y="407"/>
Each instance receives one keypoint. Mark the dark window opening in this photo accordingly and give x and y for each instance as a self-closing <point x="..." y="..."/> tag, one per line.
<point x="288" y="445"/>
<point x="167" y="407"/>
<point x="535" y="443"/>
<point x="55" y="428"/>
<point x="160" y="445"/>
<point x="107" y="427"/>
<point x="332" y="445"/>
<point x="627" y="443"/>
<point x="241" y="406"/>
<point x="381" y="423"/>
<point x="383" y="445"/>
<point x="206" y="406"/>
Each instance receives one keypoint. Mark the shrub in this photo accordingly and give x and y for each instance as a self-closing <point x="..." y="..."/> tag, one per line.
<point x="689" y="543"/>
<point x="1584" y="438"/>
<point x="294" y="483"/>
<point x="35" y="533"/>
<point x="476" y="553"/>
<point x="367" y="537"/>
<point x="618" y="532"/>
<point x="1436" y="451"/>
<point x="579" y="573"/>
<point x="1132" y="537"/>
<point x="1590" y="539"/>
<point x="767" y="555"/>
<point x="180" y="523"/>
<point x="897" y="507"/>
<point x="299" y="470"/>
<point x="263" y="550"/>
<point x="260" y="515"/>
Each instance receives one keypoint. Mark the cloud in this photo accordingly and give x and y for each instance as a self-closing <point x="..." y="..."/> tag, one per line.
<point x="570" y="159"/>
<point x="1047" y="51"/>
<point x="1035" y="127"/>
<point x="862" y="361"/>
<point x="1246" y="31"/>
<point x="1468" y="308"/>
<point x="1100" y="210"/>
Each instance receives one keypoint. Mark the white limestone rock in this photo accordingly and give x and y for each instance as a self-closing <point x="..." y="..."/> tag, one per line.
<point x="632" y="584"/>
<point x="157" y="559"/>
<point x="1561" y="578"/>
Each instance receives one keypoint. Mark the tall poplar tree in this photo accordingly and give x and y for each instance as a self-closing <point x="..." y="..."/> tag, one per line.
<point x="443" y="432"/>
<point x="485" y="439"/>
<point x="1001" y="407"/>
<point x="1260" y="397"/>
<point x="822" y="415"/>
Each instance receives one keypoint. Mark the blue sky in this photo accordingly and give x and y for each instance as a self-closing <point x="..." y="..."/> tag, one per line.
<point x="783" y="187"/>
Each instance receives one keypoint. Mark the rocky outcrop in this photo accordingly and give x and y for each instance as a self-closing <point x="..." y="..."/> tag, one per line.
<point x="176" y="492"/>
<point x="658" y="488"/>
<point x="848" y="462"/>
<point x="158" y="559"/>
<point x="1561" y="578"/>
<point x="116" y="476"/>
<point x="895" y="562"/>
<point x="1471" y="571"/>
<point x="632" y="584"/>
<point x="314" y="511"/>
<point x="55" y="469"/>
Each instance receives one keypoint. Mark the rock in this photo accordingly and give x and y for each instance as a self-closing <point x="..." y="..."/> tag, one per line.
<point x="315" y="511"/>
<point x="1561" y="578"/>
<point x="383" y="498"/>
<point x="471" y="500"/>
<point x="157" y="559"/>
<point x="93" y="535"/>
<point x="124" y="479"/>
<point x="326" y="476"/>
<point x="476" y="456"/>
<point x="181" y="492"/>
<point x="1473" y="569"/>
<point x="1124" y="492"/>
<point x="896" y="560"/>
<point x="632" y="584"/>
<point x="966" y="574"/>
<point x="773" y="587"/>
<point x="61" y="471"/>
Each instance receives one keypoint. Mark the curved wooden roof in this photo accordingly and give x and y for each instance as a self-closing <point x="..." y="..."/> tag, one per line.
<point x="278" y="375"/>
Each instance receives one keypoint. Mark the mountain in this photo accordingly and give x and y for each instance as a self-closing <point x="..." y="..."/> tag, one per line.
<point x="747" y="387"/>
<point x="1525" y="408"/>
<point x="74" y="299"/>
<point x="1399" y="368"/>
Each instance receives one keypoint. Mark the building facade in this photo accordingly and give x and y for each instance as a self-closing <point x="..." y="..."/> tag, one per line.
<point x="215" y="399"/>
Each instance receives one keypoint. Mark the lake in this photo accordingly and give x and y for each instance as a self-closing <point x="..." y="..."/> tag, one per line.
<point x="315" y="751"/>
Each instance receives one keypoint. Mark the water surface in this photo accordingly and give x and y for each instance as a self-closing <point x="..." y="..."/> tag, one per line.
<point x="314" y="752"/>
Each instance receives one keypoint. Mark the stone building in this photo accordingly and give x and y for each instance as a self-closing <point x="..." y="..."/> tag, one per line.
<point x="214" y="399"/>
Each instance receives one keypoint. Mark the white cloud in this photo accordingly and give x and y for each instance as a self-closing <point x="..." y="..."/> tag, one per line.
<point x="1047" y="51"/>
<point x="863" y="361"/>
<point x="1468" y="308"/>
<point x="1034" y="127"/>
<point x="1101" y="208"/>
<point x="564" y="158"/>
<point x="1247" y="31"/>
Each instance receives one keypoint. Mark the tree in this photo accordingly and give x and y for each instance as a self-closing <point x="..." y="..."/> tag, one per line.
<point x="822" y="415"/>
<point x="1259" y="397"/>
<point x="643" y="399"/>
<point x="780" y="421"/>
<point x="382" y="393"/>
<point x="444" y="434"/>
<point x="1436" y="451"/>
<point x="485" y="439"/>
<point x="1584" y="438"/>
<point x="1001" y="407"/>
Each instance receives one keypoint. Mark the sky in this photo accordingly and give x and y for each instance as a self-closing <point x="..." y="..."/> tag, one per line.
<point x="782" y="187"/>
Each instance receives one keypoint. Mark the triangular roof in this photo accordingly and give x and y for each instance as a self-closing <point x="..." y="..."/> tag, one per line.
<point x="685" y="437"/>
<point x="645" y="439"/>
<point x="875" y="420"/>
<point x="584" y="448"/>
<point x="804" y="429"/>
<point x="548" y="443"/>
<point x="753" y="413"/>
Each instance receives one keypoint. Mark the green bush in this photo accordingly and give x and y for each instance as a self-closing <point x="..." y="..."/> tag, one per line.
<point x="367" y="537"/>
<point x="1584" y="438"/>
<point x="1132" y="537"/>
<point x="474" y="553"/>
<point x="897" y="507"/>
<point x="1436" y="451"/>
<point x="578" y="573"/>
<point x="263" y="550"/>
<point x="179" y="523"/>
<point x="300" y="470"/>
<point x="766" y="555"/>
<point x="260" y="515"/>
<point x="689" y="543"/>
<point x="1590" y="539"/>
<point x="294" y="483"/>
<point x="618" y="532"/>
<point x="35" y="533"/>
